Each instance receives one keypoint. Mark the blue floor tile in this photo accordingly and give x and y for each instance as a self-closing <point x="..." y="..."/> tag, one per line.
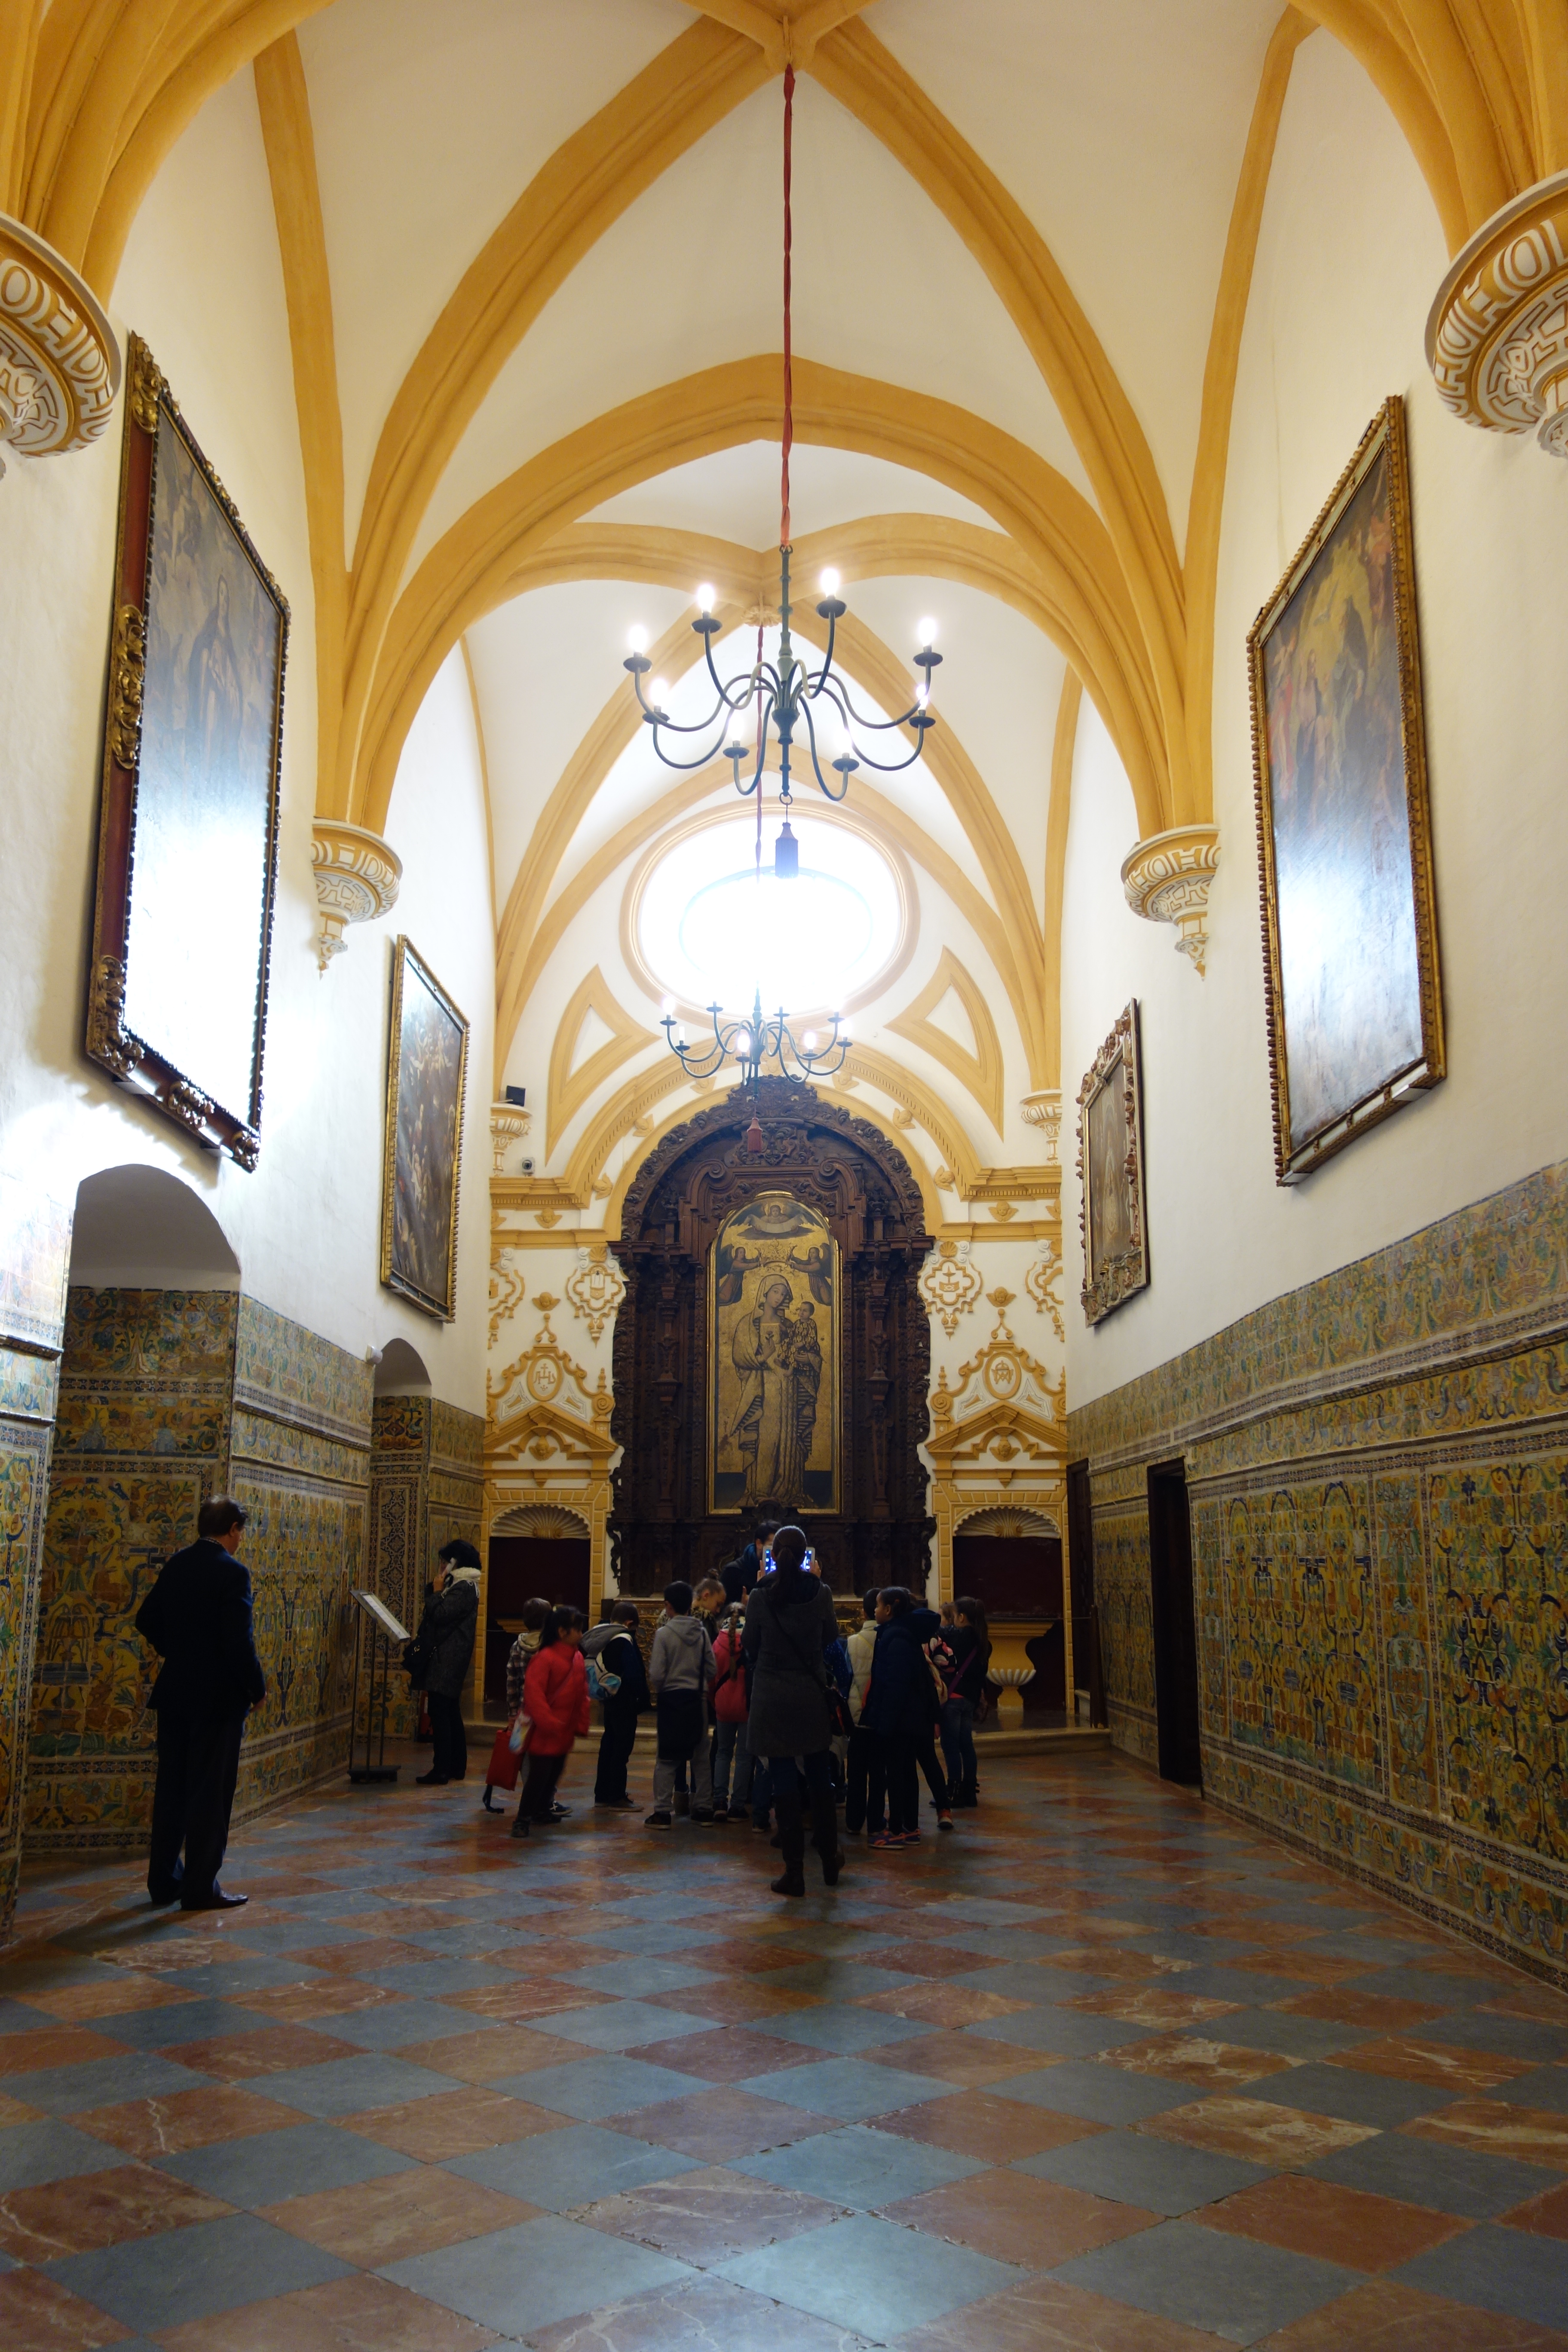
<point x="154" y="2284"/>
<point x="189" y="2021"/>
<point x="858" y="2166"/>
<point x="103" y="2082"/>
<point x="34" y="2154"/>
<point x="1351" y="2093"/>
<point x="623" y="2024"/>
<point x="1232" y="2286"/>
<point x="851" y="2090"/>
<point x="536" y="2273"/>
<point x="636" y="1975"/>
<point x="842" y="2030"/>
<point x="266" y="2168"/>
<point x="1099" y="2094"/>
<point x="871" y="2276"/>
<point x="1422" y="2172"/>
<point x="347" y="2086"/>
<point x="598" y="2086"/>
<point x="1509" y="2270"/>
<point x="577" y="2166"/>
<point x="1134" y="2169"/>
<point x="399" y="2024"/>
<point x="1066" y="2032"/>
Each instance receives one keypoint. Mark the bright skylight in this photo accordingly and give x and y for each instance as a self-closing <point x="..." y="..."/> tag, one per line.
<point x="711" y="929"/>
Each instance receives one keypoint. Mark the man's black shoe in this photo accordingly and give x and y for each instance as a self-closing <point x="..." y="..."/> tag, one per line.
<point x="216" y="1901"/>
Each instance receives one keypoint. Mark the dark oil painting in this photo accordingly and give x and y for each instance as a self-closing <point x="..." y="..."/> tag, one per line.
<point x="774" y="1383"/>
<point x="1343" y="819"/>
<point x="428" y="1060"/>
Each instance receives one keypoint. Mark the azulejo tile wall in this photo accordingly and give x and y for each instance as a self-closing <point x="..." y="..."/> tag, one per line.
<point x="165" y="1397"/>
<point x="426" y="1487"/>
<point x="1378" y="1472"/>
<point x="300" y="1449"/>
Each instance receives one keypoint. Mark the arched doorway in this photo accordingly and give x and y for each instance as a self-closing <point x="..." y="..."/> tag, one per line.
<point x="1011" y="1562"/>
<point x="142" y="1433"/>
<point x="845" y="1239"/>
<point x="536" y="1550"/>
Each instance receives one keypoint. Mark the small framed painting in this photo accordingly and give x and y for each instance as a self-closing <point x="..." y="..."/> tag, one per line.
<point x="1110" y="1173"/>
<point x="187" y="848"/>
<point x="1349" y="927"/>
<point x="427" y="1071"/>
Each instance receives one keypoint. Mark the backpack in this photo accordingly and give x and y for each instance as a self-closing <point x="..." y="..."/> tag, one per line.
<point x="601" y="1682"/>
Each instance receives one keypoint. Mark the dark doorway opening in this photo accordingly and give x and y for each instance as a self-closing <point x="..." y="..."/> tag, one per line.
<point x="553" y="1568"/>
<point x="1014" y="1577"/>
<point x="1089" y="1671"/>
<point x="1175" y="1625"/>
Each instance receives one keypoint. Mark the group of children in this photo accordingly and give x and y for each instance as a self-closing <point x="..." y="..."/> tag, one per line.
<point x="907" y="1677"/>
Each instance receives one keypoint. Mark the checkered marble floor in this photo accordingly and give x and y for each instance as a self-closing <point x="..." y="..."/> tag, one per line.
<point x="1099" y="2073"/>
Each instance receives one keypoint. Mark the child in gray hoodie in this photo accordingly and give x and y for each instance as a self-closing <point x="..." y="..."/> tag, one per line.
<point x="680" y="1674"/>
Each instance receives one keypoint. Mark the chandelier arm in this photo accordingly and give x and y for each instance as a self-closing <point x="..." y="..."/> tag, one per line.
<point x="878" y="726"/>
<point x="687" y="767"/>
<point x="826" y="672"/>
<point x="896" y="767"/>
<point x="817" y="764"/>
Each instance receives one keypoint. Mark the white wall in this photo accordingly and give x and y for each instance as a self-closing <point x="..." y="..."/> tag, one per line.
<point x="201" y="283"/>
<point x="1349" y="258"/>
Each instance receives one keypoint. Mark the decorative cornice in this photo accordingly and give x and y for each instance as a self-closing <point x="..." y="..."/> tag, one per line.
<point x="357" y="878"/>
<point x="1167" y="878"/>
<point x="1497" y="336"/>
<point x="59" y="363"/>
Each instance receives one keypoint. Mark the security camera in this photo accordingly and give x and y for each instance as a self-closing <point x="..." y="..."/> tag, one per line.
<point x="528" y="1166"/>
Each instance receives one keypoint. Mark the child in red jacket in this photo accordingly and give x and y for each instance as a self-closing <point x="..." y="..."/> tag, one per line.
<point x="555" y="1701"/>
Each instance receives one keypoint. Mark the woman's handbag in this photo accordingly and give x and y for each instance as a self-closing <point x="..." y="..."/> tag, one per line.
<point x="418" y="1657"/>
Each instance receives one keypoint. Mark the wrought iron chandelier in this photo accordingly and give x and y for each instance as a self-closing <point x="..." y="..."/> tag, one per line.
<point x="789" y="701"/>
<point x="750" y="1043"/>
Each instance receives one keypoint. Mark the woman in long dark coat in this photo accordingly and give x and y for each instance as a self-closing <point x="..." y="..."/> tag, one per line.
<point x="790" y="1623"/>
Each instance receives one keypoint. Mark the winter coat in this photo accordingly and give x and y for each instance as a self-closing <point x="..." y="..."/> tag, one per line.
<point x="555" y="1696"/>
<point x="729" y="1679"/>
<point x="966" y="1678"/>
<point x="790" y="1623"/>
<point x="682" y="1658"/>
<point x="198" y="1616"/>
<point x="517" y="1659"/>
<point x="902" y="1698"/>
<point x="450" y="1621"/>
<point x="861" y="1647"/>
<point x="623" y="1657"/>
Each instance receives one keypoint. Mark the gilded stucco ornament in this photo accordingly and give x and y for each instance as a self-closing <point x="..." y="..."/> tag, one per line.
<point x="950" y="1283"/>
<point x="509" y="1122"/>
<point x="357" y="878"/>
<point x="59" y="363"/>
<point x="1167" y="878"/>
<point x="595" y="1287"/>
<point x="1497" y="336"/>
<point x="1044" y="1109"/>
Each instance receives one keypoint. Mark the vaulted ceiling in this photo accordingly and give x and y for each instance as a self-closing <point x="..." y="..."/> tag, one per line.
<point x="530" y="252"/>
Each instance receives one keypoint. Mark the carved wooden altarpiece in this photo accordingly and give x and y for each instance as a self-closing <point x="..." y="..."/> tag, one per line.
<point x="845" y="1169"/>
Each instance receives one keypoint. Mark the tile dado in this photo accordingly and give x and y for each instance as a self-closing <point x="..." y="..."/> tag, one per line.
<point x="166" y="1397"/>
<point x="1378" y="1472"/>
<point x="426" y="1487"/>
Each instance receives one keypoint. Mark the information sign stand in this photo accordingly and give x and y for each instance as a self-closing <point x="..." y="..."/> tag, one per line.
<point x="384" y="1631"/>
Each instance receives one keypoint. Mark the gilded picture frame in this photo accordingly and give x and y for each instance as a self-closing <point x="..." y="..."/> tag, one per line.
<point x="1352" y="978"/>
<point x="187" y="845"/>
<point x="1111" y="1216"/>
<point x="426" y="1081"/>
<point x="774" y="1378"/>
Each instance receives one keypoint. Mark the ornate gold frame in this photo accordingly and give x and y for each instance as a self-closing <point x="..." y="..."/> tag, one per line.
<point x="150" y="410"/>
<point x="442" y="1310"/>
<point x="734" y="1510"/>
<point x="1120" y="1275"/>
<point x="1387" y="431"/>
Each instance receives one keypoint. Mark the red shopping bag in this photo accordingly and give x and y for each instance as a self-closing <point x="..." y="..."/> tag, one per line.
<point x="502" y="1768"/>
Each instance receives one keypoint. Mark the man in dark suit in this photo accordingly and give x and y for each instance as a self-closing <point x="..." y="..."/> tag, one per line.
<point x="197" y="1617"/>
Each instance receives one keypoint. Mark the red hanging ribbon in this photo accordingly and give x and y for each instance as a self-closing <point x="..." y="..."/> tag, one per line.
<point x="788" y="379"/>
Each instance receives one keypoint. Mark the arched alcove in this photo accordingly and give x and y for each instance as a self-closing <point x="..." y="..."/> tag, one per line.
<point x="139" y="1228"/>
<point x="402" y="1371"/>
<point x="536" y="1550"/>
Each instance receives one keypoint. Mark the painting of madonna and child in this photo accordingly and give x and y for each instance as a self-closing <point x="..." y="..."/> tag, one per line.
<point x="774" y="1382"/>
<point x="1355" y="1008"/>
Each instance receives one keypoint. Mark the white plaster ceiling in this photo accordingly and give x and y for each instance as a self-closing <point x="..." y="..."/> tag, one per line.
<point x="429" y="123"/>
<point x="691" y="276"/>
<point x="734" y="494"/>
<point x="1119" y="129"/>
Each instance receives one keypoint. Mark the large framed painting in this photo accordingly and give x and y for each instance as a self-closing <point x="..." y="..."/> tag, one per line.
<point x="187" y="848"/>
<point x="426" y="1072"/>
<point x="1111" y="1172"/>
<point x="774" y="1285"/>
<point x="1349" y="930"/>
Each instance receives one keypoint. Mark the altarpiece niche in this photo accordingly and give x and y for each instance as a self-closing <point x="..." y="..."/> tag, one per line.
<point x="761" y="1294"/>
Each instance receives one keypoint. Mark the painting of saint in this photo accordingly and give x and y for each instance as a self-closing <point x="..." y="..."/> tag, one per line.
<point x="774" y="1290"/>
<point x="1351" y="933"/>
<point x="211" y="716"/>
<point x="427" y="1066"/>
<point x="1110" y="1170"/>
